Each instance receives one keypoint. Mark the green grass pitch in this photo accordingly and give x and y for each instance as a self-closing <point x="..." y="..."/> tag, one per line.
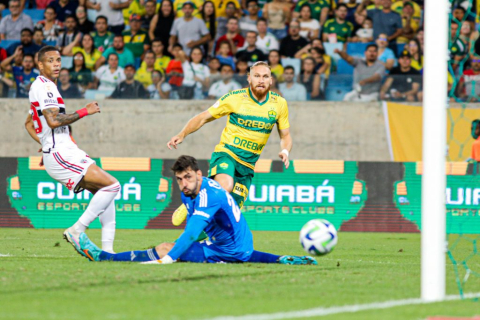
<point x="43" y="278"/>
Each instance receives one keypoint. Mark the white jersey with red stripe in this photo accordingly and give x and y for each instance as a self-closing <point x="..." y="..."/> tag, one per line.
<point x="44" y="95"/>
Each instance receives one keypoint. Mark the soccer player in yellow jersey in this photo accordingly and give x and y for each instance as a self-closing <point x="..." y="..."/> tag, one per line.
<point x="252" y="113"/>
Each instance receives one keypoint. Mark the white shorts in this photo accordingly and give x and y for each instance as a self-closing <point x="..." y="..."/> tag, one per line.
<point x="67" y="166"/>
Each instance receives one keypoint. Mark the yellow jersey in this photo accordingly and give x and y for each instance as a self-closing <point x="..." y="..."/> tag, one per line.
<point x="249" y="123"/>
<point x="178" y="5"/>
<point x="161" y="64"/>
<point x="144" y="76"/>
<point x="90" y="59"/>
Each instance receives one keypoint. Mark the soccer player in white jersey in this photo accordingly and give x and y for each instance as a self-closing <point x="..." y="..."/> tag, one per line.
<point x="47" y="123"/>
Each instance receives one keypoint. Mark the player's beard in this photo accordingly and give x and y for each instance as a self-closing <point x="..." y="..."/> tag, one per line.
<point x="260" y="93"/>
<point x="192" y="193"/>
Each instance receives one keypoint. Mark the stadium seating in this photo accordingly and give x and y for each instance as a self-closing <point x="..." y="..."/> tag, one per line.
<point x="343" y="67"/>
<point x="67" y="62"/>
<point x="6" y="43"/>
<point x="91" y="15"/>
<point x="338" y="85"/>
<point x="330" y="47"/>
<point x="400" y="47"/>
<point x="336" y="93"/>
<point x="357" y="49"/>
<point x="295" y="63"/>
<point x="138" y="62"/>
<point x="97" y="94"/>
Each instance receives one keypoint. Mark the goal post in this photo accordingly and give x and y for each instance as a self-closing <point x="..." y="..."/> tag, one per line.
<point x="433" y="242"/>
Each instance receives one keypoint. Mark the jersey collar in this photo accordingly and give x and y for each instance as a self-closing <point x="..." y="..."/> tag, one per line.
<point x="256" y="101"/>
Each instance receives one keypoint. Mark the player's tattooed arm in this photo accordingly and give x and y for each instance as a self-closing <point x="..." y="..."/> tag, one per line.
<point x="56" y="119"/>
<point x="31" y="128"/>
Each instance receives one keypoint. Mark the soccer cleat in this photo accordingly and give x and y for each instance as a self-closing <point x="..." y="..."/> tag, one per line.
<point x="179" y="215"/>
<point x="72" y="236"/>
<point x="297" y="260"/>
<point x="89" y="249"/>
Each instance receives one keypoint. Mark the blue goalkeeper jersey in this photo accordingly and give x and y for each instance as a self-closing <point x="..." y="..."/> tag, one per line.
<point x="214" y="211"/>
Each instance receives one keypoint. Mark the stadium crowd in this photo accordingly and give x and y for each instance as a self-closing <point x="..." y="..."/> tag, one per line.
<point x="353" y="50"/>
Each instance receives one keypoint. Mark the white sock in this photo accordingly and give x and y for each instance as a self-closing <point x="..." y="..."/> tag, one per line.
<point x="107" y="219"/>
<point x="99" y="203"/>
<point x="79" y="227"/>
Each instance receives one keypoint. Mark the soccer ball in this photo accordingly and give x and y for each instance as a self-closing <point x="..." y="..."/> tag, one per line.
<point x="318" y="237"/>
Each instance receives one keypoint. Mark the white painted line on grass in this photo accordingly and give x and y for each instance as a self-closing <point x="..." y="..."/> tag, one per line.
<point x="35" y="256"/>
<point x="315" y="312"/>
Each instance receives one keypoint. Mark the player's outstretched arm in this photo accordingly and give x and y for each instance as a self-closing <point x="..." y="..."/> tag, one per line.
<point x="286" y="144"/>
<point x="192" y="125"/>
<point x="192" y="231"/>
<point x="56" y="119"/>
<point x="31" y="128"/>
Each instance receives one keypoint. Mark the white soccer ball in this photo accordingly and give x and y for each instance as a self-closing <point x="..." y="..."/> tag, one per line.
<point x="318" y="237"/>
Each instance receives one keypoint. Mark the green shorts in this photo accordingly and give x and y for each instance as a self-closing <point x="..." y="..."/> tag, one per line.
<point x="242" y="176"/>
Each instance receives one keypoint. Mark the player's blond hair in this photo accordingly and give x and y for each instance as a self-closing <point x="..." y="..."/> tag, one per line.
<point x="259" y="63"/>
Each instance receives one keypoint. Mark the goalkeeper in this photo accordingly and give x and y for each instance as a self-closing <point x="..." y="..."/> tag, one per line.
<point x="252" y="113"/>
<point x="210" y="209"/>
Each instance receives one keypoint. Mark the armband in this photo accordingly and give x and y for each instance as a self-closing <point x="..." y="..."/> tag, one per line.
<point x="82" y="112"/>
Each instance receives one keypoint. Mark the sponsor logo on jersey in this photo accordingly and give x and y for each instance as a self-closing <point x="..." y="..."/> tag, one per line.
<point x="272" y="115"/>
<point x="224" y="165"/>
<point x="50" y="100"/>
<point x="201" y="213"/>
<point x="257" y="123"/>
<point x="242" y="143"/>
<point x="69" y="184"/>
<point x="241" y="190"/>
<point x="50" y="95"/>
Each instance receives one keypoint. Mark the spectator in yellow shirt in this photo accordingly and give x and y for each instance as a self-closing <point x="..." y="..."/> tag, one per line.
<point x="410" y="22"/>
<point x="221" y="5"/>
<point x="275" y="64"/>
<point x="144" y="74"/>
<point x="135" y="7"/>
<point x="161" y="60"/>
<point x="398" y="6"/>
<point x="306" y="52"/>
<point x="178" y="5"/>
<point x="85" y="46"/>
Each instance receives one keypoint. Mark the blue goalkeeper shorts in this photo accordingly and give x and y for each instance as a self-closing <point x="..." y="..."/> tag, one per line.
<point x="194" y="253"/>
<point x="207" y="252"/>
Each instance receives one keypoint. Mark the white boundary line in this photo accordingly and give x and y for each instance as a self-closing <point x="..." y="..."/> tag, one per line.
<point x="387" y="128"/>
<point x="315" y="312"/>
